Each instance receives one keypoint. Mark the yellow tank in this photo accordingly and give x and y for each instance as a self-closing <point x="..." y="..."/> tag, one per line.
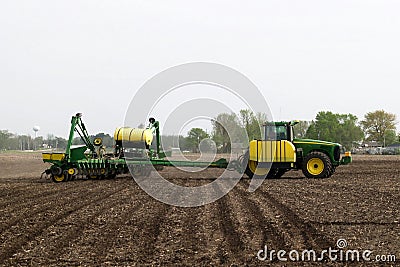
<point x="133" y="135"/>
<point x="272" y="151"/>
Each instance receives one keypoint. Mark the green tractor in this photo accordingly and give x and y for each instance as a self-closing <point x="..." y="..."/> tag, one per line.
<point x="279" y="152"/>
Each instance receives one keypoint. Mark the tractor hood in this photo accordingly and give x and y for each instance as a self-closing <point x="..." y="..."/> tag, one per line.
<point x="314" y="142"/>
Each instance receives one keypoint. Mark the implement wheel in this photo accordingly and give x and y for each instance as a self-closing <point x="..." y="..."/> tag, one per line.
<point x="58" y="178"/>
<point x="317" y="165"/>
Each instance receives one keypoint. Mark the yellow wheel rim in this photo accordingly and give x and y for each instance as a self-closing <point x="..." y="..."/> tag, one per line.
<point x="59" y="178"/>
<point x="97" y="141"/>
<point x="102" y="171"/>
<point x="71" y="171"/>
<point x="315" y="166"/>
<point x="257" y="171"/>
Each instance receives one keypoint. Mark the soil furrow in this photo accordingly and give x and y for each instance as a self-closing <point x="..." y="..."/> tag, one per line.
<point x="270" y="233"/>
<point x="27" y="198"/>
<point x="101" y="242"/>
<point x="147" y="232"/>
<point x="123" y="210"/>
<point x="27" y="208"/>
<point x="312" y="238"/>
<point x="181" y="229"/>
<point x="12" y="191"/>
<point x="85" y="220"/>
<point x="17" y="243"/>
<point x="233" y="245"/>
<point x="193" y="230"/>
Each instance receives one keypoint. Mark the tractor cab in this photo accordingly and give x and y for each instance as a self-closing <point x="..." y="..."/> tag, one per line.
<point x="279" y="131"/>
<point x="275" y="153"/>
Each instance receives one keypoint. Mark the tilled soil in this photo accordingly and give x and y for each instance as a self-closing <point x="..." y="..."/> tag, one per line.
<point x="114" y="222"/>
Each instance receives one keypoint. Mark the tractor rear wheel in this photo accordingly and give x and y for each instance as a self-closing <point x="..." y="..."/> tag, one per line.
<point x="317" y="165"/>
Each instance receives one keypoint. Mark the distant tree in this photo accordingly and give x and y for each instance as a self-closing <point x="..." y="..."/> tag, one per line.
<point x="169" y="141"/>
<point x="13" y="142"/>
<point x="390" y="138"/>
<point x="300" y="129"/>
<point x="195" y="136"/>
<point x="349" y="132"/>
<point x="24" y="142"/>
<point x="60" y="143"/>
<point x="49" y="139"/>
<point x="55" y="142"/>
<point x="246" y="119"/>
<point x="183" y="144"/>
<point x="4" y="139"/>
<point x="77" y="141"/>
<point x="332" y="127"/>
<point x="323" y="127"/>
<point x="252" y="123"/>
<point x="227" y="129"/>
<point x="38" y="142"/>
<point x="379" y="126"/>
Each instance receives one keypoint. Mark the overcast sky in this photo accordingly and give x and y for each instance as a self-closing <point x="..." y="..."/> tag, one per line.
<point x="62" y="57"/>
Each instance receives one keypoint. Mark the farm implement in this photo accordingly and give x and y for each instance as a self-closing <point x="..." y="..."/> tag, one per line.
<point x="273" y="155"/>
<point x="133" y="148"/>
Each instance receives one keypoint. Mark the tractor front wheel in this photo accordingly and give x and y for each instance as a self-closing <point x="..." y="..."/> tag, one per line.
<point x="253" y="170"/>
<point x="317" y="165"/>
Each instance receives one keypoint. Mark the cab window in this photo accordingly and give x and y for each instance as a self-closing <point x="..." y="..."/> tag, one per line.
<point x="281" y="133"/>
<point x="273" y="132"/>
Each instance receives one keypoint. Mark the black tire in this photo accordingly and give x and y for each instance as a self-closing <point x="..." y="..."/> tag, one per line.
<point x="250" y="175"/>
<point x="333" y="170"/>
<point x="249" y="172"/>
<point x="317" y="165"/>
<point x="275" y="173"/>
<point x="279" y="173"/>
<point x="272" y="173"/>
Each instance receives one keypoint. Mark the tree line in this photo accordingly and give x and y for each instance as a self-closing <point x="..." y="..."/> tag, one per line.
<point x="10" y="141"/>
<point x="346" y="129"/>
<point x="229" y="129"/>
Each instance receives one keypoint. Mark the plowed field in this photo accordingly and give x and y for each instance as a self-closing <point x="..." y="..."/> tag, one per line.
<point x="114" y="222"/>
